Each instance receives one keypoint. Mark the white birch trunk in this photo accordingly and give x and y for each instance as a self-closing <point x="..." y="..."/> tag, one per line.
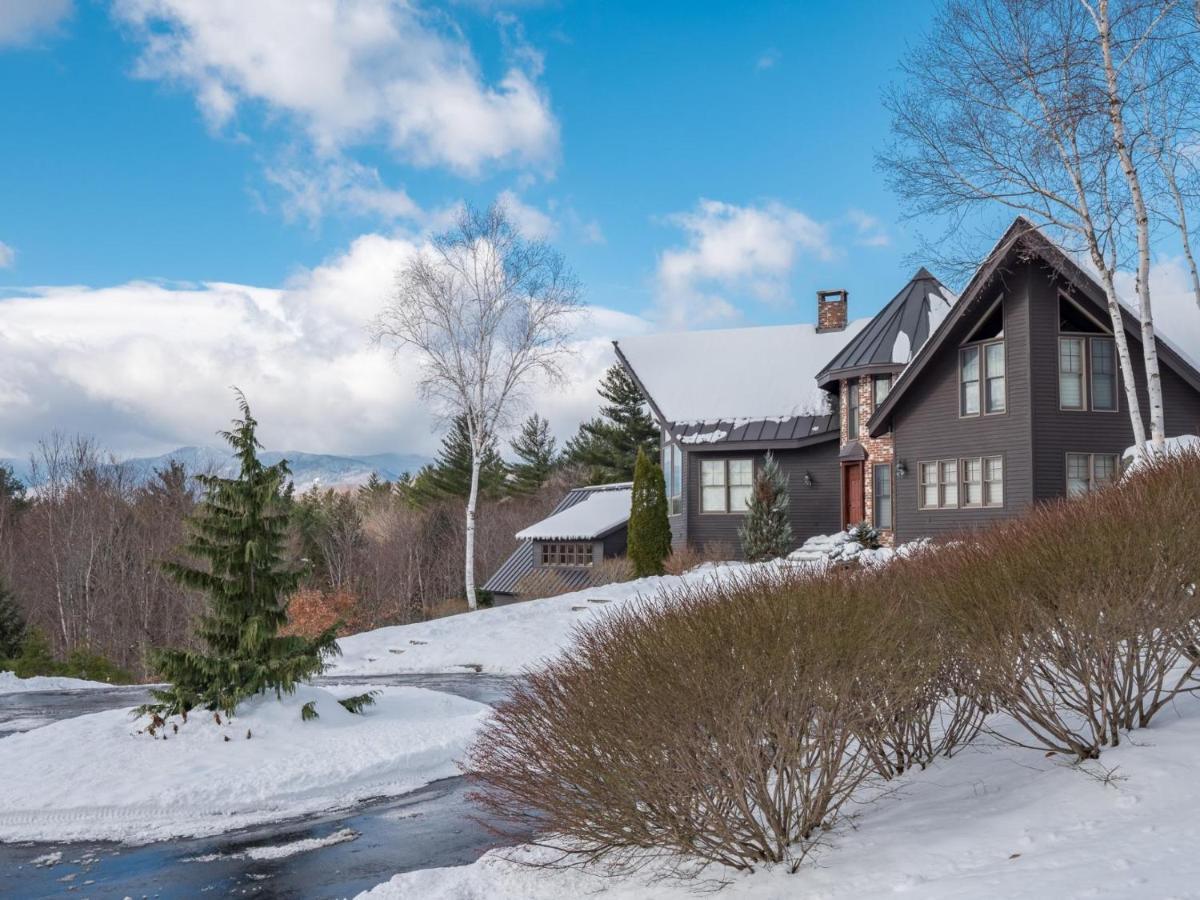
<point x="1184" y="235"/>
<point x="1142" y="219"/>
<point x="473" y="497"/>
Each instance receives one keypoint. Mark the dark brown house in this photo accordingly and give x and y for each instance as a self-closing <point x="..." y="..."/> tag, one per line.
<point x="938" y="414"/>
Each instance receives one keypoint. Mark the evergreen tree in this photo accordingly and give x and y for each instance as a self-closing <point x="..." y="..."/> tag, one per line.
<point x="766" y="532"/>
<point x="450" y="474"/>
<point x="534" y="447"/>
<point x="608" y="445"/>
<point x="12" y="490"/>
<point x="238" y="532"/>
<point x="12" y="624"/>
<point x="649" y="530"/>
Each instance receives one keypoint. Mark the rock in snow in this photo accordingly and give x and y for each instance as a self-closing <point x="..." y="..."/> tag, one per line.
<point x="95" y="777"/>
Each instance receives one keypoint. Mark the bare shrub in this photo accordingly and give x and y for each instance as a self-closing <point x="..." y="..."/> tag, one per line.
<point x="719" y="725"/>
<point x="687" y="557"/>
<point x="1081" y="619"/>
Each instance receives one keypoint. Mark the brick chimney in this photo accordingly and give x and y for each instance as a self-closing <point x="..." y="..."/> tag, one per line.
<point x="831" y="310"/>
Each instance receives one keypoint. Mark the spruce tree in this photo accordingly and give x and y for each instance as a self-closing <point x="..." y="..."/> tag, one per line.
<point x="450" y="474"/>
<point x="766" y="532"/>
<point x="649" y="530"/>
<point x="12" y="624"/>
<point x="607" y="446"/>
<point x="238" y="534"/>
<point x="534" y="447"/>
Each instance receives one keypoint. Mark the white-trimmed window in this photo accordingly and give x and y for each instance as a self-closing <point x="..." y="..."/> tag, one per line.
<point x="982" y="481"/>
<point x="881" y="488"/>
<point x="575" y="554"/>
<point x="981" y="379"/>
<point x="1087" y="472"/>
<point x="939" y="484"/>
<point x="725" y="485"/>
<point x="672" y="463"/>
<point x="853" y="403"/>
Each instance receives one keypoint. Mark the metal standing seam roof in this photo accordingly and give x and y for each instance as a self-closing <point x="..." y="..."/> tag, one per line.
<point x="520" y="562"/>
<point x="697" y="435"/>
<point x="914" y="312"/>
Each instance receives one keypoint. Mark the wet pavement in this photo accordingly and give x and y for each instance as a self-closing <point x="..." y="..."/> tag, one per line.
<point x="352" y="849"/>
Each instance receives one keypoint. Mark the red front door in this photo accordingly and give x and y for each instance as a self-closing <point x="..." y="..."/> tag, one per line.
<point x="852" y="494"/>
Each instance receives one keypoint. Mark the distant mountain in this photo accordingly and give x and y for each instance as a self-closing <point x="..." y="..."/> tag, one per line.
<point x="308" y="469"/>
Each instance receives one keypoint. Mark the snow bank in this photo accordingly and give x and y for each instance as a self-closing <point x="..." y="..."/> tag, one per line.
<point x="995" y="821"/>
<point x="505" y="639"/>
<point x="96" y="777"/>
<point x="1136" y="457"/>
<point x="11" y="684"/>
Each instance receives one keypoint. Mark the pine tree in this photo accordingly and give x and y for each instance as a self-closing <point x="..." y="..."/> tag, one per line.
<point x="12" y="624"/>
<point x="12" y="491"/>
<point x="608" y="445"/>
<point x="649" y="530"/>
<point x="238" y="533"/>
<point x="766" y="532"/>
<point x="535" y="448"/>
<point x="450" y="474"/>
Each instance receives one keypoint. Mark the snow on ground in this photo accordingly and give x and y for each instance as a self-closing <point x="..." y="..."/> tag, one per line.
<point x="995" y="821"/>
<point x="505" y="639"/>
<point x="11" y="684"/>
<point x="95" y="777"/>
<point x="1136" y="457"/>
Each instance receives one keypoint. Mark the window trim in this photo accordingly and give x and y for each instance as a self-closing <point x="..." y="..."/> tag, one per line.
<point x="941" y="483"/>
<point x="876" y="380"/>
<point x="891" y="523"/>
<point x="672" y="453"/>
<point x="724" y="461"/>
<point x="1116" y="374"/>
<point x="981" y="393"/>
<point x="853" y="408"/>
<point x="560" y="548"/>
<point x="1083" y="371"/>
<point x="1091" y="458"/>
<point x="983" y="481"/>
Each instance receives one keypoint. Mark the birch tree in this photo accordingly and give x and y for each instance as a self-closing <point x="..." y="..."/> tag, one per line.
<point x="1003" y="107"/>
<point x="487" y="314"/>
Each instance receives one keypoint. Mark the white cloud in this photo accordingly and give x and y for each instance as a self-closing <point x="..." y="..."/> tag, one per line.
<point x="340" y="185"/>
<point x="532" y="222"/>
<point x="351" y="72"/>
<point x="22" y="21"/>
<point x="1176" y="315"/>
<point x="8" y="255"/>
<point x="146" y="367"/>
<point x="869" y="230"/>
<point x="733" y="249"/>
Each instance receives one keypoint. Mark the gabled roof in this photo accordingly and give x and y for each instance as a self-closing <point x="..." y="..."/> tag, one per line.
<point x="521" y="562"/>
<point x="759" y="373"/>
<point x="896" y="332"/>
<point x="1024" y="236"/>
<point x="602" y="510"/>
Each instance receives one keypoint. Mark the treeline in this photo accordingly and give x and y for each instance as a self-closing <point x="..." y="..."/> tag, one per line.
<point x="81" y="555"/>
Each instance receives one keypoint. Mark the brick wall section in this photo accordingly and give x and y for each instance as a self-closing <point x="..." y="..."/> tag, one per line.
<point x="879" y="450"/>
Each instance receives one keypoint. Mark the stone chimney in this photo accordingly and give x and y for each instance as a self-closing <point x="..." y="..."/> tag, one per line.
<point x="831" y="310"/>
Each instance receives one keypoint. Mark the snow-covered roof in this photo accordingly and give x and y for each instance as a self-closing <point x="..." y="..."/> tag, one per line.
<point x="735" y="373"/>
<point x="601" y="511"/>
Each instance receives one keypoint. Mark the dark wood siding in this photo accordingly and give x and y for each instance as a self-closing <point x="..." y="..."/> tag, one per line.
<point x="814" y="510"/>
<point x="1058" y="432"/>
<point x="928" y="427"/>
<point x="614" y="544"/>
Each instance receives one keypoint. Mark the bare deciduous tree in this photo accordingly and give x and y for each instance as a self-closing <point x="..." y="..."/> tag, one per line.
<point x="1026" y="104"/>
<point x="487" y="312"/>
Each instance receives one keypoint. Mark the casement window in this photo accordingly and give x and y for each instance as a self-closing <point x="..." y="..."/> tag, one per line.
<point x="881" y="488"/>
<point x="725" y="485"/>
<point x="939" y="484"/>
<point x="576" y="554"/>
<point x="1087" y="472"/>
<point x="981" y="379"/>
<point x="881" y="386"/>
<point x="982" y="481"/>
<point x="672" y="463"/>
<point x="853" y="402"/>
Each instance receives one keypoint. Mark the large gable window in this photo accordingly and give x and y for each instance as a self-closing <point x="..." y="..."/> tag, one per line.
<point x="981" y="379"/>
<point x="1087" y="361"/>
<point x="725" y="485"/>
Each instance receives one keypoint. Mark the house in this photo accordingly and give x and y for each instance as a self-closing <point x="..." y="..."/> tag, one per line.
<point x="938" y="414"/>
<point x="563" y="550"/>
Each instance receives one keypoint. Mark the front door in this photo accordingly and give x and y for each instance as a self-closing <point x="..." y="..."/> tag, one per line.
<point x="852" y="494"/>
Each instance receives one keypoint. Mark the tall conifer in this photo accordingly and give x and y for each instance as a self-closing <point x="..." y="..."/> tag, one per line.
<point x="238" y="535"/>
<point x="608" y="445"/>
<point x="649" y="530"/>
<point x="535" y="448"/>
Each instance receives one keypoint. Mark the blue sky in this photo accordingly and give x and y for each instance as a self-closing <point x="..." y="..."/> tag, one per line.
<point x="201" y="191"/>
